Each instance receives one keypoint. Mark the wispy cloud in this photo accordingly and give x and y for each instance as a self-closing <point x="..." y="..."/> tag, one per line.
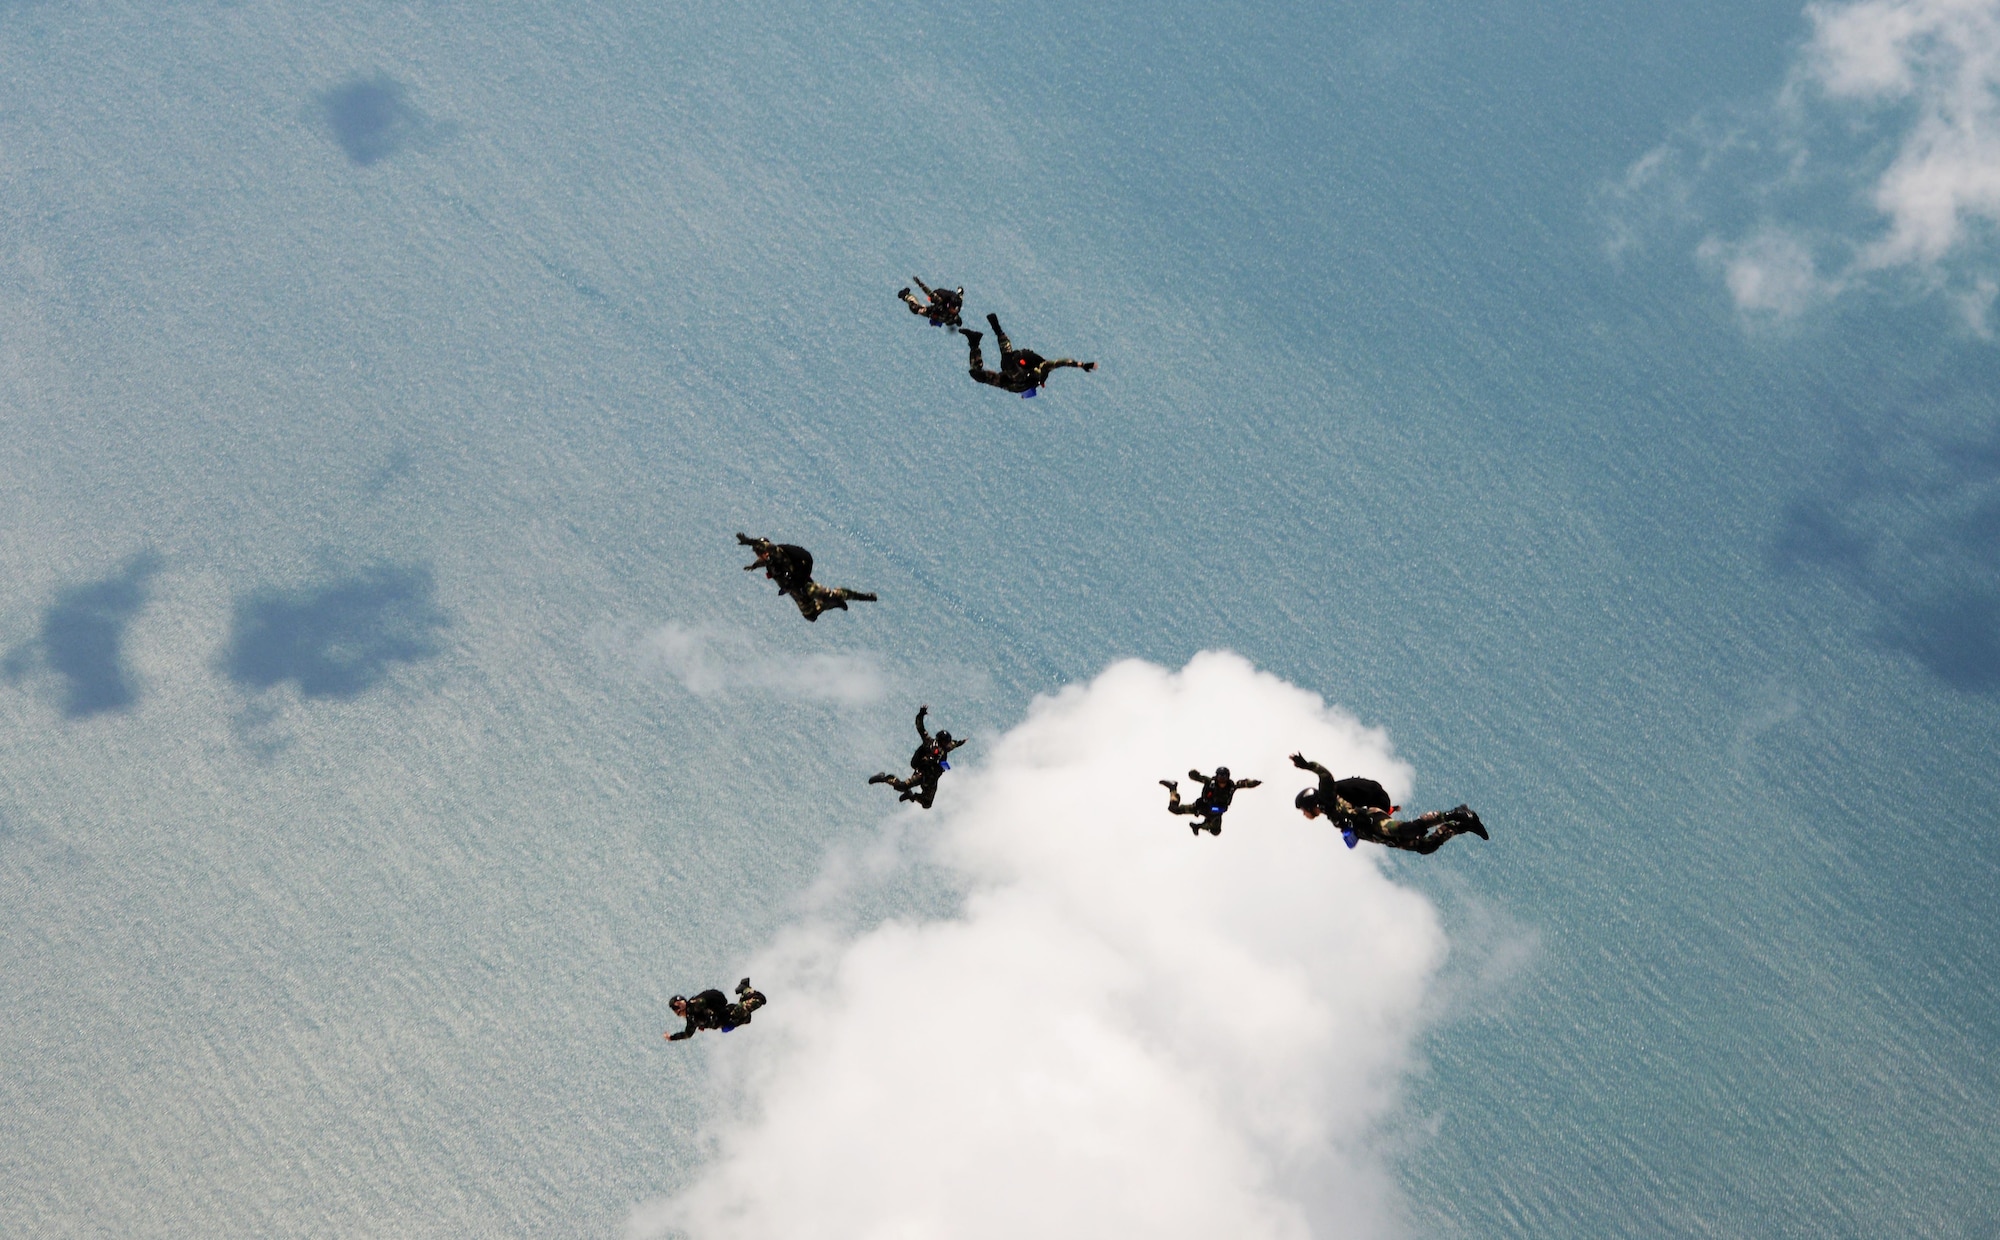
<point x="711" y="664"/>
<point x="1877" y="158"/>
<point x="1124" y="1031"/>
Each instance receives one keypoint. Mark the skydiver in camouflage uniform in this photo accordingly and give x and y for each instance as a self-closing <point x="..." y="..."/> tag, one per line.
<point x="927" y="765"/>
<point x="791" y="567"/>
<point x="940" y="306"/>
<point x="711" y="1009"/>
<point x="1217" y="791"/>
<point x="1362" y="810"/>
<point x="1021" y="370"/>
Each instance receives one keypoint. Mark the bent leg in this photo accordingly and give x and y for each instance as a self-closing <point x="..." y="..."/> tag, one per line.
<point x="915" y="306"/>
<point x="976" y="361"/>
<point x="1000" y="334"/>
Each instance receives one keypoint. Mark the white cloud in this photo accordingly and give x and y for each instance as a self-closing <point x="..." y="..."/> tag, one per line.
<point x="1770" y="273"/>
<point x="1879" y="156"/>
<point x="1941" y="58"/>
<point x="711" y="664"/>
<point x="1125" y="1031"/>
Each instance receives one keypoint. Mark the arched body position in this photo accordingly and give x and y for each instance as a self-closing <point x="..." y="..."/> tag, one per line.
<point x="940" y="307"/>
<point x="927" y="765"/>
<point x="711" y="1009"/>
<point x="1362" y="811"/>
<point x="1021" y="370"/>
<point x="791" y="567"/>
<point x="1217" y="791"/>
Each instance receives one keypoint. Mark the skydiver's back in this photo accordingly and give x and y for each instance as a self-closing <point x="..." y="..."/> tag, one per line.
<point x="791" y="568"/>
<point x="706" y="1009"/>
<point x="1364" y="794"/>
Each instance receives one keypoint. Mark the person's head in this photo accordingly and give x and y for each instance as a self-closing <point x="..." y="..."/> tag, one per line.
<point x="944" y="738"/>
<point x="1221" y="773"/>
<point x="679" y="1004"/>
<point x="1308" y="802"/>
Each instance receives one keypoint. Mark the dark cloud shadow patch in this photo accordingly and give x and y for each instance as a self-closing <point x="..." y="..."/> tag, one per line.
<point x="1957" y="638"/>
<point x="372" y="118"/>
<point x="336" y="640"/>
<point x="82" y="640"/>
<point x="1911" y="521"/>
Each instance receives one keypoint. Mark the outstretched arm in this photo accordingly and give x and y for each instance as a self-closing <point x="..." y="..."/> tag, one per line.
<point x="1299" y="760"/>
<point x="928" y="295"/>
<point x="956" y="743"/>
<point x="1248" y="783"/>
<point x="921" y="729"/>
<point x="683" y="1034"/>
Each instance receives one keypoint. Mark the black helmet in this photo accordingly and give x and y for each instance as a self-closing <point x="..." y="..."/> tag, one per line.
<point x="1307" y="799"/>
<point x="1222" y="772"/>
<point x="943" y="737"/>
<point x="677" y="999"/>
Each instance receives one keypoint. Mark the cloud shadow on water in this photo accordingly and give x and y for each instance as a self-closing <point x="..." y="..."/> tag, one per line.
<point x="336" y="640"/>
<point x="372" y="118"/>
<point x="1912" y="522"/>
<point x="82" y="641"/>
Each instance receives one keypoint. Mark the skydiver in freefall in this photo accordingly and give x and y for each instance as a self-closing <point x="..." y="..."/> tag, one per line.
<point x="1362" y="810"/>
<point x="711" y="1009"/>
<point x="1217" y="791"/>
<point x="927" y="765"/>
<point x="791" y="567"/>
<point x="943" y="304"/>
<point x="1021" y="370"/>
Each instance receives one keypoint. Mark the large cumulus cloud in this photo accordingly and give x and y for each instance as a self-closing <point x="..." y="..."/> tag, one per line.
<point x="1122" y="1031"/>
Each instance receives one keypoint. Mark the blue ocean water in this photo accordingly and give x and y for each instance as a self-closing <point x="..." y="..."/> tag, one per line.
<point x="374" y="377"/>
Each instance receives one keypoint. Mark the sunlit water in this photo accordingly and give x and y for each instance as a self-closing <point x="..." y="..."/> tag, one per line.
<point x="376" y="381"/>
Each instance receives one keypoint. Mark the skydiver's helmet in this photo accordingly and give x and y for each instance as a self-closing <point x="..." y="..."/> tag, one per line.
<point x="1221" y="773"/>
<point x="943" y="740"/>
<point x="1308" y="799"/>
<point x="677" y="1002"/>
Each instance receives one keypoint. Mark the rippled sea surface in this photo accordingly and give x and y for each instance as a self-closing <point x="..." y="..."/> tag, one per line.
<point x="379" y="383"/>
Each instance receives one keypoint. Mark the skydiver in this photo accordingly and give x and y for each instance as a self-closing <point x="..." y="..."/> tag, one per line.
<point x="1362" y="810"/>
<point x="1021" y="370"/>
<point x="1217" y="792"/>
<point x="944" y="304"/>
<point x="927" y="765"/>
<point x="791" y="567"/>
<point x="711" y="1009"/>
